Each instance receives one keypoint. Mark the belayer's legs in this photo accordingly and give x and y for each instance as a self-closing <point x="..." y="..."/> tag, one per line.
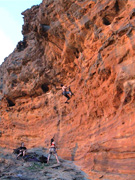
<point x="57" y="158"/>
<point x="48" y="158"/>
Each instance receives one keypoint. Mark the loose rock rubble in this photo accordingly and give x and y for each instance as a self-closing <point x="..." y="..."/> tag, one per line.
<point x="13" y="169"/>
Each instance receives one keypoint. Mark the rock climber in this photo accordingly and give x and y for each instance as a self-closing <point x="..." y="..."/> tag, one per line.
<point x="22" y="150"/>
<point x="52" y="151"/>
<point x="65" y="92"/>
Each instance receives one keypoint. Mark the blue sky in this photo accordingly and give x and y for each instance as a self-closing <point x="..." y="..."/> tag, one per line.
<point x="11" y="22"/>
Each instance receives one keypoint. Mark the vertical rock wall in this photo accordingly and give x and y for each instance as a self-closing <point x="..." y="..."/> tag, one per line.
<point x="90" y="46"/>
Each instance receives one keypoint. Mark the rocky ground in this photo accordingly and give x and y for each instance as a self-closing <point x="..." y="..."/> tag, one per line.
<point x="13" y="169"/>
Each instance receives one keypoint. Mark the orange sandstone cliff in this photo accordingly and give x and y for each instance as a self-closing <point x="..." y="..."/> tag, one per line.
<point x="89" y="45"/>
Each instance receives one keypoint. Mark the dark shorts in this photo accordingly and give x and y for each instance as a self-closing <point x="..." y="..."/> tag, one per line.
<point x="52" y="150"/>
<point x="65" y="93"/>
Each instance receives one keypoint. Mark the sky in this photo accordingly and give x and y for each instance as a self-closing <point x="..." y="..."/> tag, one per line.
<point x="11" y="22"/>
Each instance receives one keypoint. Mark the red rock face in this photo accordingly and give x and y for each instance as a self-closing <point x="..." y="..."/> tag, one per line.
<point x="89" y="45"/>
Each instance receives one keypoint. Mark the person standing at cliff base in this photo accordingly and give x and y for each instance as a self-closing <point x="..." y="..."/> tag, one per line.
<point x="52" y="151"/>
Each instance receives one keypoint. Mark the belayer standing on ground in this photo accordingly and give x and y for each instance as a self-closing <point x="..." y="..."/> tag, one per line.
<point x="52" y="150"/>
<point x="65" y="92"/>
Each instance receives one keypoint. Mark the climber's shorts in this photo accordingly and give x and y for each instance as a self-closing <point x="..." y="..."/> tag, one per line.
<point x="65" y="93"/>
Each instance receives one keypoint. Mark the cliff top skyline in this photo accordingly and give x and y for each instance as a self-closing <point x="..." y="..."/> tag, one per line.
<point x="11" y="24"/>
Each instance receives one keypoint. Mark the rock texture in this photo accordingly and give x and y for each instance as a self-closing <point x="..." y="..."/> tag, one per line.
<point x="89" y="45"/>
<point x="13" y="169"/>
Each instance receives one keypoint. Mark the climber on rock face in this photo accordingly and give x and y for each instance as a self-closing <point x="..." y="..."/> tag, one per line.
<point x="65" y="92"/>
